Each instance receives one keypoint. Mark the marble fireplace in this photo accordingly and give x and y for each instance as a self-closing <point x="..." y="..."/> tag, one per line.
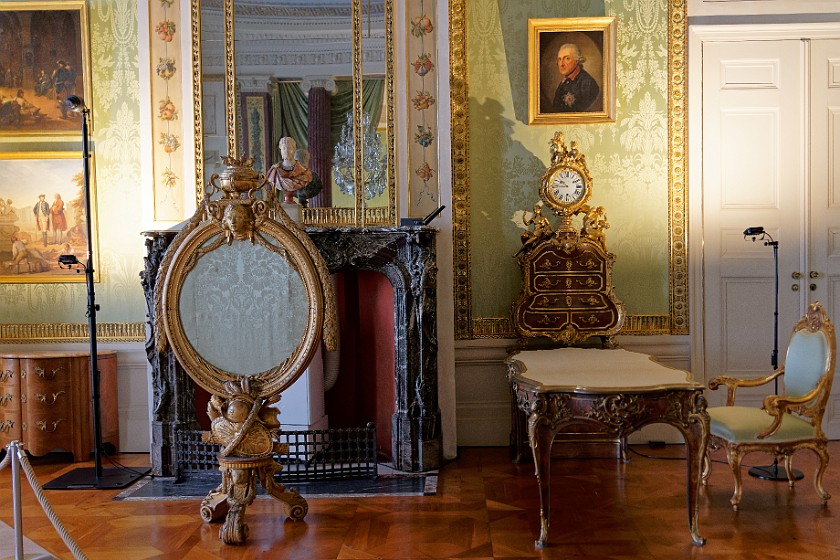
<point x="406" y="257"/>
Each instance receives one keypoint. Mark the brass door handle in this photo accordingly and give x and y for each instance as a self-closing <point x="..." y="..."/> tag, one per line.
<point x="813" y="287"/>
<point x="813" y="274"/>
<point x="796" y="275"/>
<point x="794" y="288"/>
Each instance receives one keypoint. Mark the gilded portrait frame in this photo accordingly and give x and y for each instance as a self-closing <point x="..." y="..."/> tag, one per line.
<point x="21" y="182"/>
<point x="45" y="114"/>
<point x="553" y="101"/>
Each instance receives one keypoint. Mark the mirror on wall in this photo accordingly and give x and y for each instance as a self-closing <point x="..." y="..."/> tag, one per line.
<point x="271" y="69"/>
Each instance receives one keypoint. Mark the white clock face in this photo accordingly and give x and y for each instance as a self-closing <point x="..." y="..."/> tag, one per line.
<point x="567" y="186"/>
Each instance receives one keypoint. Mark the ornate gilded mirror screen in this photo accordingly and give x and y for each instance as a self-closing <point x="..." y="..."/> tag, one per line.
<point x="244" y="302"/>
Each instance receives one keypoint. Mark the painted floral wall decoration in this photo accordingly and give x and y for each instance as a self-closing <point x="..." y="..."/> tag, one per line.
<point x="423" y="187"/>
<point x="165" y="44"/>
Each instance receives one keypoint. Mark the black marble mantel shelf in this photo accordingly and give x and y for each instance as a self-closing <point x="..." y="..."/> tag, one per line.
<point x="403" y="254"/>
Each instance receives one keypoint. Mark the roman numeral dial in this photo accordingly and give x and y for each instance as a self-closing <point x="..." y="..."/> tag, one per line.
<point x="566" y="188"/>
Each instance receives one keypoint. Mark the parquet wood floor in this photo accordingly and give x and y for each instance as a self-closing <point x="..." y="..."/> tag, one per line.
<point x="485" y="508"/>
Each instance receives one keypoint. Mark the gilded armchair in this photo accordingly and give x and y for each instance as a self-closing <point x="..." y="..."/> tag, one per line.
<point x="787" y="422"/>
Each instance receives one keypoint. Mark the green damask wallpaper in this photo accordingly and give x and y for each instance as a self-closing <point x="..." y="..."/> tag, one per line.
<point x="116" y="148"/>
<point x="628" y="159"/>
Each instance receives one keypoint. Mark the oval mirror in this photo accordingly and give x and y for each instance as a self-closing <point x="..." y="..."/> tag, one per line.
<point x="235" y="308"/>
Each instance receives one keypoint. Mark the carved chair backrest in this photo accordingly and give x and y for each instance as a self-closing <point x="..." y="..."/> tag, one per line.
<point x="810" y="361"/>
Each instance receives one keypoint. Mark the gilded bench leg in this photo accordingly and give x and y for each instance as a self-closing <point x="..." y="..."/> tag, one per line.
<point x="696" y="439"/>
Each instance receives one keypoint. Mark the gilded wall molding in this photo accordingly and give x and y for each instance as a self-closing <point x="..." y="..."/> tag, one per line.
<point x="677" y="164"/>
<point x="676" y="322"/>
<point x="459" y="106"/>
<point x="198" y="108"/>
<point x="230" y="79"/>
<point x="40" y="333"/>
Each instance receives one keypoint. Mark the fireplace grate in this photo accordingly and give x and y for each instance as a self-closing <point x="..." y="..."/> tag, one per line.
<point x="333" y="454"/>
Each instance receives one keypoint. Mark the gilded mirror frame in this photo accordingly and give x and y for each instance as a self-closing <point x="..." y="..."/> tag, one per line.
<point x="360" y="215"/>
<point x="676" y="322"/>
<point x="186" y="250"/>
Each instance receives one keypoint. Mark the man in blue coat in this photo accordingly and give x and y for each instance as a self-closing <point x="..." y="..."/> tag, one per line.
<point x="578" y="89"/>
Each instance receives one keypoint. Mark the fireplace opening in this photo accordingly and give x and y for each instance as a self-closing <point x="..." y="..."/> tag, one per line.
<point x="402" y="294"/>
<point x="365" y="389"/>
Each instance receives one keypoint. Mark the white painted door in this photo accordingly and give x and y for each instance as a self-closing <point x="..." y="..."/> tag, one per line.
<point x="753" y="175"/>
<point x="823" y="260"/>
<point x="771" y="158"/>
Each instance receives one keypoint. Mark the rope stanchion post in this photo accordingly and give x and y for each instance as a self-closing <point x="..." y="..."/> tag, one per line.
<point x="12" y="451"/>
<point x="16" y="456"/>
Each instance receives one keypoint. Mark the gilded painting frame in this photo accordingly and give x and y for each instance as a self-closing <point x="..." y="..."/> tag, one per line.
<point x="571" y="70"/>
<point x="29" y="246"/>
<point x="40" y="71"/>
<point x="256" y="129"/>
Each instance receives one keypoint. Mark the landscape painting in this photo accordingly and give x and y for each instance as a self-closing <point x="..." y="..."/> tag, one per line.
<point x="42" y="216"/>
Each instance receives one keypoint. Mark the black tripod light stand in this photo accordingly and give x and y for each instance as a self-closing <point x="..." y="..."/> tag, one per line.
<point x="774" y="471"/>
<point x="96" y="477"/>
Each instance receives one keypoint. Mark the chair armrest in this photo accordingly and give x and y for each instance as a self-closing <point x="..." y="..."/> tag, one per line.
<point x="778" y="405"/>
<point x="732" y="383"/>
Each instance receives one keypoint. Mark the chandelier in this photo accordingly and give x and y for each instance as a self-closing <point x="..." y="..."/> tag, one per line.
<point x="374" y="161"/>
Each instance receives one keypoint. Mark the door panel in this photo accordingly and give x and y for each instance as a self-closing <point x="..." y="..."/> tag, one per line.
<point x="824" y="219"/>
<point x="753" y="175"/>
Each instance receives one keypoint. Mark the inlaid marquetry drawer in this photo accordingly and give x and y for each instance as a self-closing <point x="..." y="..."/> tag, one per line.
<point x="10" y="417"/>
<point x="566" y="291"/>
<point x="45" y="401"/>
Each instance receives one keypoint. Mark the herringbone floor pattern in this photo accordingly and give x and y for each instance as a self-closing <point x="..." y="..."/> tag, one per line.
<point x="485" y="508"/>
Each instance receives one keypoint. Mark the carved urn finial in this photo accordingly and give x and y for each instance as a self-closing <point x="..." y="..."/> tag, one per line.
<point x="237" y="178"/>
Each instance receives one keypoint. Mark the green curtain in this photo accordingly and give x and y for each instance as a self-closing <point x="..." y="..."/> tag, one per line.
<point x="291" y="112"/>
<point x="373" y="91"/>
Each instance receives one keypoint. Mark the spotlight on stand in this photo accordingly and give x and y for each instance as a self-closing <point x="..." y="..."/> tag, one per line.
<point x="76" y="104"/>
<point x="774" y="471"/>
<point x="95" y="477"/>
<point x="68" y="261"/>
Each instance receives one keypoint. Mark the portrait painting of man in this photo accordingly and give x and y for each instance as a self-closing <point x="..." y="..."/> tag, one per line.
<point x="571" y="70"/>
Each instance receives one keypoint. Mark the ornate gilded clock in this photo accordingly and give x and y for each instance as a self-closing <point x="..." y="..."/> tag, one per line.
<point x="566" y="185"/>
<point x="567" y="293"/>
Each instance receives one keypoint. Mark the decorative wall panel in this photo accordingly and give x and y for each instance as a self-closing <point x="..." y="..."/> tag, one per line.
<point x="166" y="92"/>
<point x="749" y="153"/>
<point x="638" y="163"/>
<point x="60" y="308"/>
<point x="423" y="162"/>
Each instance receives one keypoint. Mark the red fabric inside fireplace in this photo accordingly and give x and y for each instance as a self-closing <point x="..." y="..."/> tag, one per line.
<point x="366" y="387"/>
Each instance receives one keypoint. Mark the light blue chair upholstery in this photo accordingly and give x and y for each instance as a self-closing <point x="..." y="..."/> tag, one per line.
<point x="785" y="423"/>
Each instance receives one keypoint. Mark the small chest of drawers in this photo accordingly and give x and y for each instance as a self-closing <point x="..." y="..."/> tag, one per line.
<point x="45" y="401"/>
